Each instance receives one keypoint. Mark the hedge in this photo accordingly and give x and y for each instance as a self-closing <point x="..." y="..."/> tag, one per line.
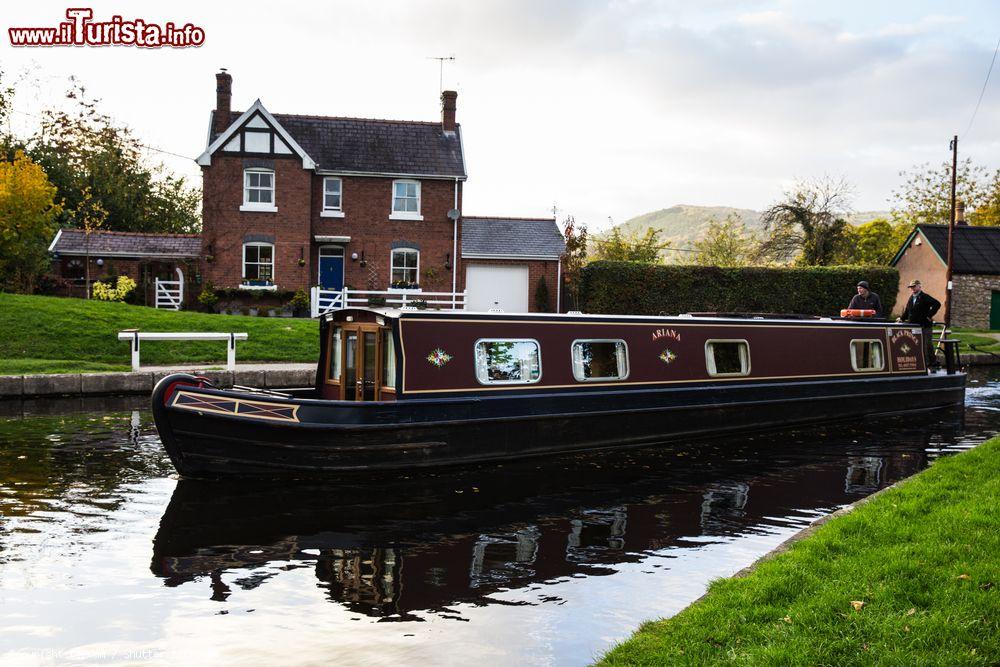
<point x="644" y="289"/>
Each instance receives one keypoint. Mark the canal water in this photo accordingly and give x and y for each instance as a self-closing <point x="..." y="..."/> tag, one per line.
<point x="107" y="558"/>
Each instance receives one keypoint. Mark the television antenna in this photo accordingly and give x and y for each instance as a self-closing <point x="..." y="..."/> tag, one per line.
<point x="441" y="61"/>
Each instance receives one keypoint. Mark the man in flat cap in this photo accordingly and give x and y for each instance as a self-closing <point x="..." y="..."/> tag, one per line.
<point x="866" y="299"/>
<point x="920" y="310"/>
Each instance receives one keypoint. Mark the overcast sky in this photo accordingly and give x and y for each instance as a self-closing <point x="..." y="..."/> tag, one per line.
<point x="607" y="109"/>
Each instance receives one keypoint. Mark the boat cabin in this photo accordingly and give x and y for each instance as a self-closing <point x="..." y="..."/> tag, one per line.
<point x="389" y="355"/>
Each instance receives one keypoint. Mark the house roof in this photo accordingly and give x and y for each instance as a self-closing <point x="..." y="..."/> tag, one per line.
<point x="977" y="249"/>
<point x="127" y="244"/>
<point x="373" y="146"/>
<point x="511" y="237"/>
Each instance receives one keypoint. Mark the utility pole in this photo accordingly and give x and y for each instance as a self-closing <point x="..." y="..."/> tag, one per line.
<point x="951" y="237"/>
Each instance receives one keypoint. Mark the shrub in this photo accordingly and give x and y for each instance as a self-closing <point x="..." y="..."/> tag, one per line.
<point x="641" y="289"/>
<point x="208" y="298"/>
<point x="376" y="301"/>
<point x="419" y="304"/>
<point x="541" y="295"/>
<point x="121" y="290"/>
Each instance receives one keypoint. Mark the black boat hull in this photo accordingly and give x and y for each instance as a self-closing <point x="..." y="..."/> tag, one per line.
<point x="338" y="436"/>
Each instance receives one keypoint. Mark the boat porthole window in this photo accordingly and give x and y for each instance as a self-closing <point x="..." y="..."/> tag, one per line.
<point x="508" y="361"/>
<point x="333" y="369"/>
<point x="727" y="358"/>
<point x="867" y="355"/>
<point x="595" y="360"/>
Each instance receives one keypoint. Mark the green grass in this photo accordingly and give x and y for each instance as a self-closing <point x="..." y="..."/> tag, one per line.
<point x="976" y="337"/>
<point x="922" y="558"/>
<point x="53" y="335"/>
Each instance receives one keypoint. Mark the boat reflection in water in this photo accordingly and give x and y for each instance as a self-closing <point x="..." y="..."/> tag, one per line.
<point x="397" y="545"/>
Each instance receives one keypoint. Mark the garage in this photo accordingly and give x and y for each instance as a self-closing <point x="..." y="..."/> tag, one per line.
<point x="488" y="285"/>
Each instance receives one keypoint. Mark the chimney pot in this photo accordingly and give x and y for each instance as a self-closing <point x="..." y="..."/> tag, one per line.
<point x="448" y="104"/>
<point x="960" y="213"/>
<point x="223" y="100"/>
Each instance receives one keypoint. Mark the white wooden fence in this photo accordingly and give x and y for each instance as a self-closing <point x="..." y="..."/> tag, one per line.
<point x="170" y="293"/>
<point x="323" y="301"/>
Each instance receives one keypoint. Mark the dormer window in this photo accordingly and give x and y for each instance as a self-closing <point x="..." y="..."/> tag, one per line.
<point x="406" y="200"/>
<point x="258" y="190"/>
<point x="332" y="198"/>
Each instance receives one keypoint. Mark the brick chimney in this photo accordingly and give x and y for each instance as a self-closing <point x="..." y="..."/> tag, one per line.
<point x="223" y="101"/>
<point x="448" y="98"/>
<point x="960" y="213"/>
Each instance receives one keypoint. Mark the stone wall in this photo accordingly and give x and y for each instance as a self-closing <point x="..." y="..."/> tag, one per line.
<point x="971" y="296"/>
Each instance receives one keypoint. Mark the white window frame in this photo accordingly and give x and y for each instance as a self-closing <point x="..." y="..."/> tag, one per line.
<point x="710" y="357"/>
<point x="487" y="381"/>
<point x="577" y="362"/>
<point x="392" y="266"/>
<point x="259" y="207"/>
<point x="332" y="212"/>
<point x="258" y="244"/>
<point x="854" y="359"/>
<point x="404" y="215"/>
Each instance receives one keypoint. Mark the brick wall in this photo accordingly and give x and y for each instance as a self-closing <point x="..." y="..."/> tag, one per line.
<point x="367" y="203"/>
<point x="225" y="226"/>
<point x="536" y="269"/>
<point x="971" y="298"/>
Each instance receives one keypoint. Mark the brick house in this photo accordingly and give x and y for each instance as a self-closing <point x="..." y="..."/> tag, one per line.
<point x="975" y="272"/>
<point x="295" y="201"/>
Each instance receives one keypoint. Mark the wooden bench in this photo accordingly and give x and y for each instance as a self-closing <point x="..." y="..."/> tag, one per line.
<point x="135" y="337"/>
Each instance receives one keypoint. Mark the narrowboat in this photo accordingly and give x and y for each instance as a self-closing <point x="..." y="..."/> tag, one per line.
<point x="405" y="389"/>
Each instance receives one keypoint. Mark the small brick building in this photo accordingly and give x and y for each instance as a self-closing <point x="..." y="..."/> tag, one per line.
<point x="295" y="201"/>
<point x="975" y="273"/>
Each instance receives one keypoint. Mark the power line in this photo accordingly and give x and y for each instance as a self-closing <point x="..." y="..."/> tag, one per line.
<point x="983" y="91"/>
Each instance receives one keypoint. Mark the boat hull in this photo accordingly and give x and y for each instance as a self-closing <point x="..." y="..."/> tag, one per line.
<point x="213" y="433"/>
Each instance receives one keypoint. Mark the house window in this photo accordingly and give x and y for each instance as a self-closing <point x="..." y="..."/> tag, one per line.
<point x="866" y="355"/>
<point x="388" y="360"/>
<point x="600" y="360"/>
<point x="404" y="270"/>
<point x="331" y="194"/>
<point x="406" y="199"/>
<point x="258" y="264"/>
<point x="258" y="188"/>
<point x="508" y="361"/>
<point x="727" y="357"/>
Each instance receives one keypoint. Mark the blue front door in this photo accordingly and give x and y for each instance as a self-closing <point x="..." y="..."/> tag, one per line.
<point x="331" y="268"/>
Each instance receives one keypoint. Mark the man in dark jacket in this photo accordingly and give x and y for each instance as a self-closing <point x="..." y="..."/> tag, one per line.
<point x="866" y="299"/>
<point x="920" y="309"/>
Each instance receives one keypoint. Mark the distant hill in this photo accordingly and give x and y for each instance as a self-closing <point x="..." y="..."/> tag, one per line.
<point x="684" y="224"/>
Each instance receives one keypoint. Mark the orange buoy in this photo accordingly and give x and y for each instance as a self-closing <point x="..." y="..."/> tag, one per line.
<point x="856" y="312"/>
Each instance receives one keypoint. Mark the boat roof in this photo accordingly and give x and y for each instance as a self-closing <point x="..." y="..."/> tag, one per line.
<point x="576" y="316"/>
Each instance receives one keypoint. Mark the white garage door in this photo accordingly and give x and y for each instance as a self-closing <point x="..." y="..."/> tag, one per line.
<point x="489" y="285"/>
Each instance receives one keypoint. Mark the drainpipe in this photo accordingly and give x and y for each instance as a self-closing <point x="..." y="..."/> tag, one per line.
<point x="454" y="251"/>
<point x="559" y="285"/>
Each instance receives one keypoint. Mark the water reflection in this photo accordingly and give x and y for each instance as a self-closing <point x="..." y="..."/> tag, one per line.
<point x="392" y="547"/>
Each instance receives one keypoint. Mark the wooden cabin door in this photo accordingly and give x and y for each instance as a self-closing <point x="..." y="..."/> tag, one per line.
<point x="360" y="377"/>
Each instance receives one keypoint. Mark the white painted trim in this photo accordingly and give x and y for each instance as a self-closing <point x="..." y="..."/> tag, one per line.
<point x="259" y="206"/>
<point x="250" y="208"/>
<point x="461" y="150"/>
<point x="323" y="238"/>
<point x="548" y="258"/>
<point x="205" y="159"/>
<point x="406" y="216"/>
<point x="392" y="254"/>
<point x="274" y="261"/>
<point x="387" y="174"/>
<point x="55" y="241"/>
<point x="331" y="214"/>
<point x="265" y="288"/>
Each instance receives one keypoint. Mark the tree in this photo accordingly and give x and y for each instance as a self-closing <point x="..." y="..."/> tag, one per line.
<point x="809" y="223"/>
<point x="621" y="247"/>
<point x="83" y="150"/>
<point x="28" y="213"/>
<point x="727" y="243"/>
<point x="925" y="196"/>
<point x="573" y="259"/>
<point x="89" y="216"/>
<point x="874" y="243"/>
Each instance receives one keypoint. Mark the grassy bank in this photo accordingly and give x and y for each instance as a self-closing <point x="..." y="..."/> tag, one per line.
<point x="53" y="335"/>
<point x="910" y="578"/>
<point x="984" y="341"/>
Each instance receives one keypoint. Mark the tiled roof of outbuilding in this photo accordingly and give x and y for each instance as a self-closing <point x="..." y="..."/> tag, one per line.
<point x="375" y="146"/>
<point x="977" y="249"/>
<point x="511" y="237"/>
<point x="127" y="244"/>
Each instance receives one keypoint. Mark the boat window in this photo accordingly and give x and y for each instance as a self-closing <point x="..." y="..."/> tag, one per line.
<point x="600" y="360"/>
<point x="727" y="357"/>
<point x="508" y="361"/>
<point x="388" y="360"/>
<point x="333" y="372"/>
<point x="866" y="355"/>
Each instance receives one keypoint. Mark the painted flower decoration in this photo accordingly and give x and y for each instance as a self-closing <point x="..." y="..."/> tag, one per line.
<point x="439" y="357"/>
<point x="905" y="349"/>
<point x="667" y="356"/>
